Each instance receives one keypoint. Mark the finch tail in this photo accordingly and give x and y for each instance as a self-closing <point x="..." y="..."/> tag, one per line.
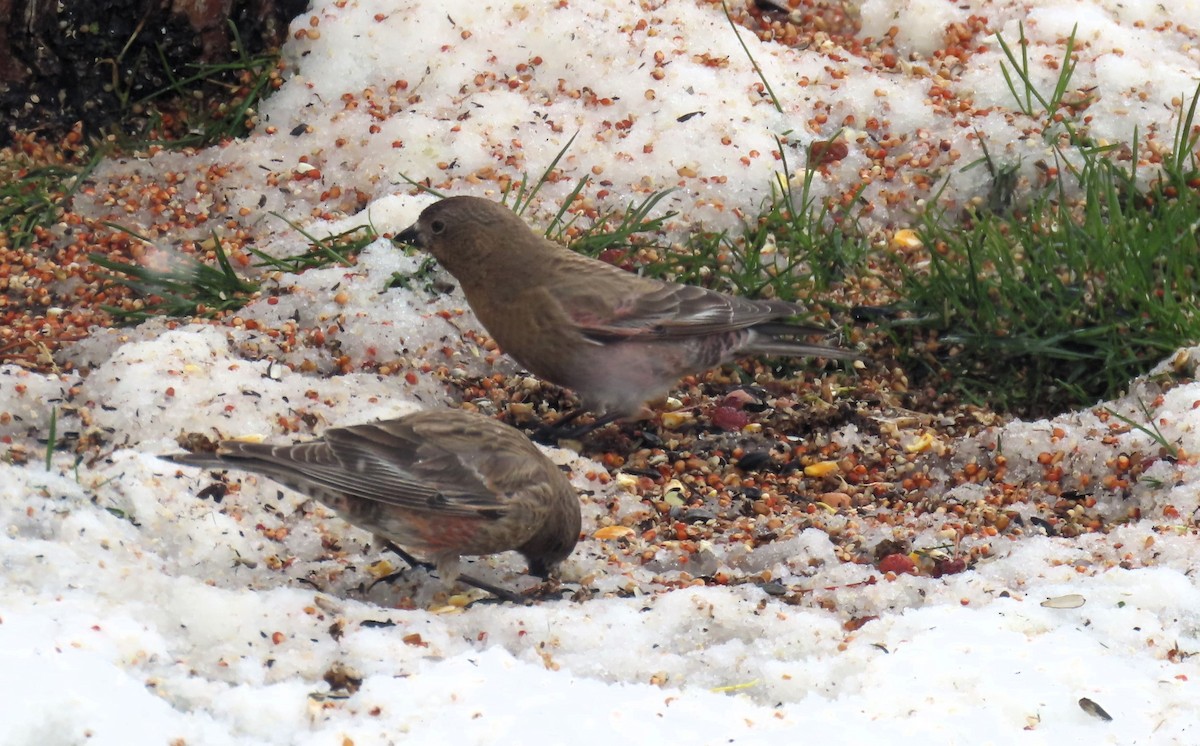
<point x="778" y="338"/>
<point x="252" y="457"/>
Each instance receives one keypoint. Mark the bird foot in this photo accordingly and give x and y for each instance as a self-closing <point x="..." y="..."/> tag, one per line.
<point x="550" y="434"/>
<point x="501" y="594"/>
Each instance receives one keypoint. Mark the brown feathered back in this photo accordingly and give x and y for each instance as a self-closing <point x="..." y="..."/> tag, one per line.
<point x="614" y="337"/>
<point x="443" y="483"/>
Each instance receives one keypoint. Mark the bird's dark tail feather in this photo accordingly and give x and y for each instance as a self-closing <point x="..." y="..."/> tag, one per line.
<point x="241" y="460"/>
<point x="203" y="460"/>
<point x="795" y="348"/>
<point x="784" y="329"/>
<point x="248" y="461"/>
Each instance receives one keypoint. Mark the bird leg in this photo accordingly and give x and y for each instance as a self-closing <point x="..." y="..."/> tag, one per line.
<point x="552" y="433"/>
<point x="502" y="593"/>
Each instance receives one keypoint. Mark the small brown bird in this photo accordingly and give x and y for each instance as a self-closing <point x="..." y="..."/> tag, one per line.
<point x="443" y="483"/>
<point x="617" y="339"/>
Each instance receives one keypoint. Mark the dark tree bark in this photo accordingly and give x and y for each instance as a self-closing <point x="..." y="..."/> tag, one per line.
<point x="68" y="61"/>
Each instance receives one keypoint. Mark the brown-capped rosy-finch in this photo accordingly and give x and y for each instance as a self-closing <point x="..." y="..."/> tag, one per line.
<point x="616" y="339"/>
<point x="441" y="483"/>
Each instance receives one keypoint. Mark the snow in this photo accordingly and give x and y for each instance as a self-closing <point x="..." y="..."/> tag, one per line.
<point x="135" y="611"/>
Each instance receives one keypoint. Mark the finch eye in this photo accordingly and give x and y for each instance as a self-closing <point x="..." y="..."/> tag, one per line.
<point x="438" y="227"/>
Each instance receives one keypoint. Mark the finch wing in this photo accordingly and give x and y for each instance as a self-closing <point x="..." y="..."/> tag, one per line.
<point x="393" y="462"/>
<point x="669" y="311"/>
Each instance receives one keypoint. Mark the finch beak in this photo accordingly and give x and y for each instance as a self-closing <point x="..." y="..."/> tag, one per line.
<point x="409" y="236"/>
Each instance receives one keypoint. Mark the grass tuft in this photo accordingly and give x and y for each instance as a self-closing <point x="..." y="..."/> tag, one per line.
<point x="340" y="249"/>
<point x="52" y="438"/>
<point x="193" y="289"/>
<point x="753" y="62"/>
<point x="34" y="198"/>
<point x="797" y="247"/>
<point x="603" y="236"/>
<point x="522" y="193"/>
<point x="211" y="103"/>
<point x="1151" y="429"/>
<point x="1064" y="301"/>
